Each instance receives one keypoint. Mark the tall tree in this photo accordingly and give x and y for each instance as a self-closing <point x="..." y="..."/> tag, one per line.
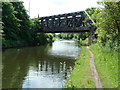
<point x="21" y="14"/>
<point x="10" y="22"/>
<point x="108" y="22"/>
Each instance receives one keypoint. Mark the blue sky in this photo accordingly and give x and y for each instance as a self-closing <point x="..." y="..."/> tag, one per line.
<point x="53" y="7"/>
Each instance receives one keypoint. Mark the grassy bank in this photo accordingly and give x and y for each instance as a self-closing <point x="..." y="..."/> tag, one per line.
<point x="106" y="61"/>
<point x="81" y="76"/>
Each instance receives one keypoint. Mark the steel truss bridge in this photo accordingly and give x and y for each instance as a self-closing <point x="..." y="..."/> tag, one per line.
<point x="75" y="22"/>
<point x="66" y="23"/>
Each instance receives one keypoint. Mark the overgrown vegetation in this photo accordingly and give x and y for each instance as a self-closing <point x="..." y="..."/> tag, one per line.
<point x="74" y="36"/>
<point x="81" y="76"/>
<point x="106" y="49"/>
<point x="18" y="29"/>
<point x="106" y="61"/>
<point x="108" y="23"/>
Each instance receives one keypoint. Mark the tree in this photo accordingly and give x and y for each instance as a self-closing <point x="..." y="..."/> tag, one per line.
<point x="21" y="14"/>
<point x="108" y="22"/>
<point x="10" y="22"/>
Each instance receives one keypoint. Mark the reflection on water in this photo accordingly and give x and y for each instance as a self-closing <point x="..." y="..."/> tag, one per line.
<point x="65" y="48"/>
<point x="39" y="67"/>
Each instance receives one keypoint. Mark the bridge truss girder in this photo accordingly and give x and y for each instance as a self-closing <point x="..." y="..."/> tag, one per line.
<point x="63" y="23"/>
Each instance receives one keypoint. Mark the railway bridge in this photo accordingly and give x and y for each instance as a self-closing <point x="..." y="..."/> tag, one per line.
<point x="75" y="22"/>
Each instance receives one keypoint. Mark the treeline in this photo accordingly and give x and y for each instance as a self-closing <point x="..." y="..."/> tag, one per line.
<point x="75" y="36"/>
<point x="18" y="29"/>
<point x="81" y="37"/>
<point x="107" y="20"/>
<point x="108" y="23"/>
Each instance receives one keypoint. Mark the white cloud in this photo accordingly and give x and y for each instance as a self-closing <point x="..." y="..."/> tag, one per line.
<point x="52" y="7"/>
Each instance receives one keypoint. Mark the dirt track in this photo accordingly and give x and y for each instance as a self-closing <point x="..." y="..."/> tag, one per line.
<point x="94" y="71"/>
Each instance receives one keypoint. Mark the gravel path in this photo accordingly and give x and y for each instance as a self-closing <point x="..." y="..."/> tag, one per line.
<point x="94" y="71"/>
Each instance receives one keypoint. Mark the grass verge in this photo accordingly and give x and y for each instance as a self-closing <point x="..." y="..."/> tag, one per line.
<point x="81" y="76"/>
<point x="106" y="62"/>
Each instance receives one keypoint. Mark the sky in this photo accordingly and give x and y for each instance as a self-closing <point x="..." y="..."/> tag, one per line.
<point x="54" y="7"/>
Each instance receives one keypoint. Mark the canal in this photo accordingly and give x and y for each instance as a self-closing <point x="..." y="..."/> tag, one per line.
<point x="45" y="66"/>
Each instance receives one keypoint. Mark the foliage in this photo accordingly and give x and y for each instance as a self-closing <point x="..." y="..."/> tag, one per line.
<point x="75" y="36"/>
<point x="40" y="38"/>
<point x="19" y="29"/>
<point x="108" y="23"/>
<point x="10" y="22"/>
<point x="106" y="61"/>
<point x="105" y="51"/>
<point x="81" y="76"/>
<point x="84" y="42"/>
<point x="91" y="11"/>
<point x="21" y="14"/>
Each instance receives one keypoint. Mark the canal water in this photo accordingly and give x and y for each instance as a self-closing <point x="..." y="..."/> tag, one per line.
<point x="45" y="66"/>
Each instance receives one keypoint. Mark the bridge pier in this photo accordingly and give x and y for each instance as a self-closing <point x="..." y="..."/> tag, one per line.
<point x="92" y="35"/>
<point x="90" y="39"/>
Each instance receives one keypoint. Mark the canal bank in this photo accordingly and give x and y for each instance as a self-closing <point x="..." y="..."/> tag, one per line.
<point x="81" y="76"/>
<point x="22" y="45"/>
<point x="106" y="63"/>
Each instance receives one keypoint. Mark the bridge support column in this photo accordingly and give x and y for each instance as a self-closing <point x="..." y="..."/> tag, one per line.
<point x="90" y="39"/>
<point x="92" y="35"/>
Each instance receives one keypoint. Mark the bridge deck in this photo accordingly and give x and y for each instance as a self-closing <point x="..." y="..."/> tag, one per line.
<point x="67" y="30"/>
